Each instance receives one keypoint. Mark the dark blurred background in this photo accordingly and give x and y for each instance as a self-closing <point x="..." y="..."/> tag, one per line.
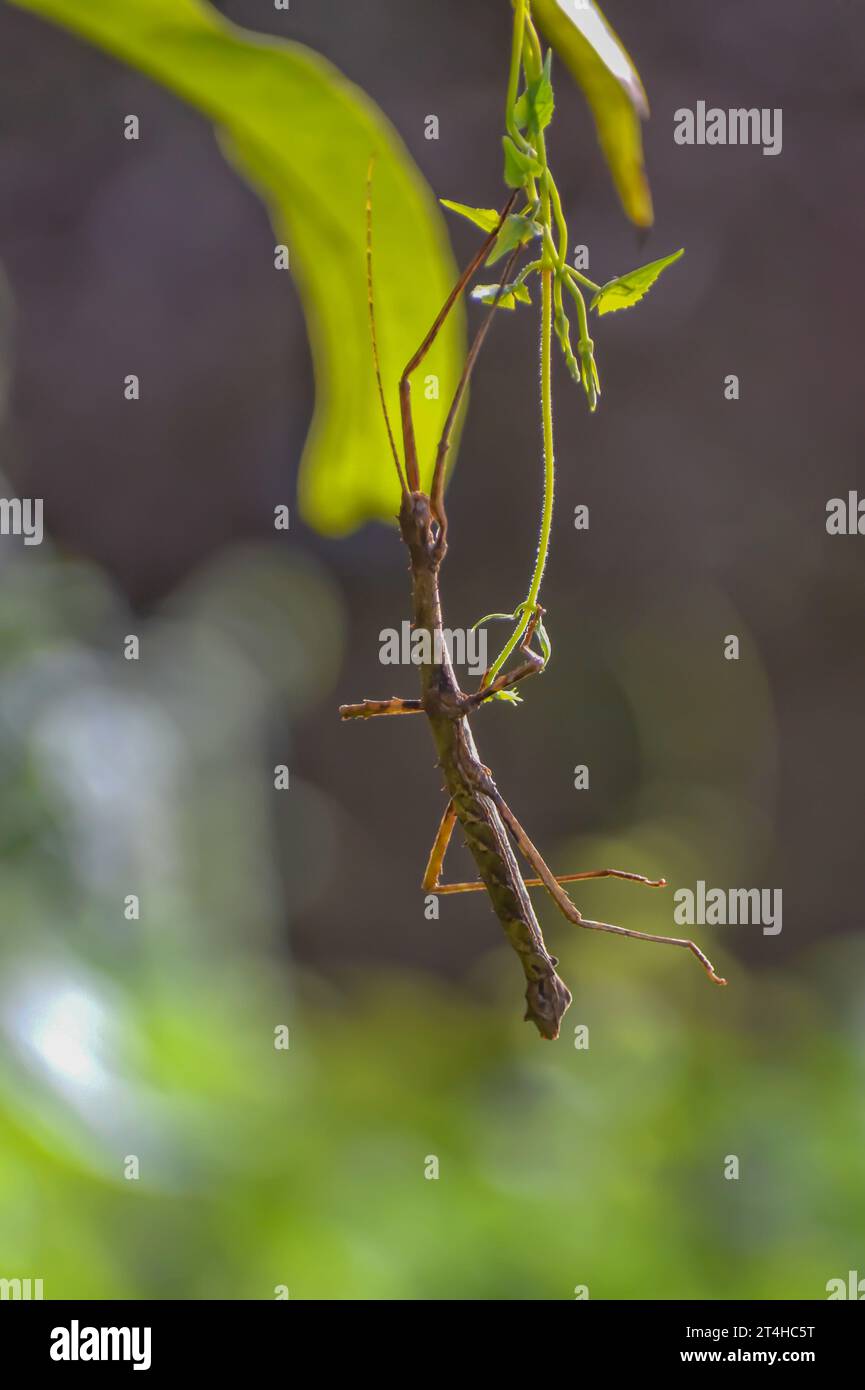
<point x="707" y="519"/>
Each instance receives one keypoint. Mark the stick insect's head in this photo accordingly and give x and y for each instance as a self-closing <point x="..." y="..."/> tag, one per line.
<point x="548" y="1000"/>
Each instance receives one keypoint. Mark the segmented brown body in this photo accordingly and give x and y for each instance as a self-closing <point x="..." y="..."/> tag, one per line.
<point x="474" y="795"/>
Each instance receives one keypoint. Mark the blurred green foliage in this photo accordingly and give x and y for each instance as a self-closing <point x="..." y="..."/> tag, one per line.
<point x="261" y="1167"/>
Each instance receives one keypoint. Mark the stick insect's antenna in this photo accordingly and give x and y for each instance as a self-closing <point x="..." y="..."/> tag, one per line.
<point x="372" y="332"/>
<point x="438" y="481"/>
<point x="405" y="383"/>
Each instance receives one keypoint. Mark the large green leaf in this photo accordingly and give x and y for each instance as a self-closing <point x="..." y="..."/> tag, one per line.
<point x="597" y="58"/>
<point x="304" y="135"/>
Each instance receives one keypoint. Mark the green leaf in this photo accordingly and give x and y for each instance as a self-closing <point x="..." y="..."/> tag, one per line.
<point x="534" y="109"/>
<point x="543" y="100"/>
<point x="629" y="289"/>
<point x="303" y="135"/>
<point x="485" y="218"/>
<point x="600" y="64"/>
<point x="516" y="231"/>
<point x="544" y="641"/>
<point x="511" y="295"/>
<point x="519" y="167"/>
<point x="493" y="618"/>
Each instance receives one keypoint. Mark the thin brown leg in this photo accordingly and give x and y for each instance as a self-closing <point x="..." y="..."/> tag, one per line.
<point x="439" y="850"/>
<point x="563" y="902"/>
<point x="372" y="709"/>
<point x="431" y="882"/>
<point x="476" y="886"/>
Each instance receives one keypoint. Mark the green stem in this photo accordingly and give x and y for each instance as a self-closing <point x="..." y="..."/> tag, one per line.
<point x="534" y="58"/>
<point x="581" y="279"/>
<point x="526" y="57"/>
<point x="531" y="601"/>
<point x="514" y="75"/>
<point x="547" y="418"/>
<point x="560" y="220"/>
<point x="582" y="317"/>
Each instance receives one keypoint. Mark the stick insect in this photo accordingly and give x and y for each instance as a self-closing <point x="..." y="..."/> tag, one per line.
<point x="474" y="800"/>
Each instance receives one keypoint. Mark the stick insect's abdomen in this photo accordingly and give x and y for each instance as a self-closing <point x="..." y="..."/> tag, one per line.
<point x="547" y="997"/>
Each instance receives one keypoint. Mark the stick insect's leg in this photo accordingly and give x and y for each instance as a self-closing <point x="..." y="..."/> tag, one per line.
<point x="476" y="886"/>
<point x="370" y="709"/>
<point x="410" y="448"/>
<point x="439" y="850"/>
<point x="563" y="902"/>
<point x="431" y="882"/>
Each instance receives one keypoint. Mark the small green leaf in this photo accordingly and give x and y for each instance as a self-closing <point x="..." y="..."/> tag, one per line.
<point x="511" y="295"/>
<point x="544" y="641"/>
<point x="534" y="109"/>
<point x="542" y="97"/>
<point x="510" y="696"/>
<point x="492" y="618"/>
<point x="629" y="289"/>
<point x="519" y="167"/>
<point x="516" y="231"/>
<point x="485" y="218"/>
